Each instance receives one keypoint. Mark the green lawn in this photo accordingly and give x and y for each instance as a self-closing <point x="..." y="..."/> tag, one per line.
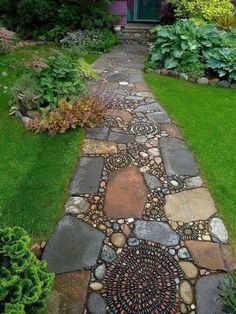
<point x="207" y="117"/>
<point x="35" y="169"/>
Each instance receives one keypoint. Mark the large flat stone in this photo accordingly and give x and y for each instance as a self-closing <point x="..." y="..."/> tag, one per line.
<point x="207" y="294"/>
<point x="190" y="205"/>
<point x="74" y="245"/>
<point x="210" y="255"/>
<point x="150" y="107"/>
<point x="121" y="137"/>
<point x="96" y="304"/>
<point x="99" y="133"/>
<point x="158" y="117"/>
<point x="126" y="194"/>
<point x="124" y="115"/>
<point x="69" y="293"/>
<point x="92" y="147"/>
<point x="156" y="232"/>
<point x="87" y="176"/>
<point x="177" y="158"/>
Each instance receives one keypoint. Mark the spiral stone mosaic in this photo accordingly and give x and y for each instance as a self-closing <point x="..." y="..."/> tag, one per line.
<point x="154" y="207"/>
<point x="118" y="161"/>
<point x="143" y="279"/>
<point x="144" y="128"/>
<point x="188" y="232"/>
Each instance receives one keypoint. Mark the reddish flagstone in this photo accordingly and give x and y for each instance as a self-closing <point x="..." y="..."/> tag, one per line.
<point x="69" y="293"/>
<point x="142" y="87"/>
<point x="171" y="130"/>
<point x="214" y="256"/>
<point x="92" y="147"/>
<point x="126" y="194"/>
<point x="125" y="115"/>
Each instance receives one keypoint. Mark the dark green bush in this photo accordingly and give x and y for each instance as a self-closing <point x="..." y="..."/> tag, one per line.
<point x="35" y="17"/>
<point x="228" y="293"/>
<point x="24" y="282"/>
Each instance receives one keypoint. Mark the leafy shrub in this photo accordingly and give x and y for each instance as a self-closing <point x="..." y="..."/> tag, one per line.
<point x="55" y="34"/>
<point x="223" y="61"/>
<point x="94" y="41"/>
<point x="24" y="282"/>
<point x="187" y="46"/>
<point x="208" y="11"/>
<point x="85" y="112"/>
<point x="65" y="77"/>
<point x="228" y="293"/>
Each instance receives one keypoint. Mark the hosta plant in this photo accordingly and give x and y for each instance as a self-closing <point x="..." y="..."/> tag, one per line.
<point x="24" y="282"/>
<point x="222" y="61"/>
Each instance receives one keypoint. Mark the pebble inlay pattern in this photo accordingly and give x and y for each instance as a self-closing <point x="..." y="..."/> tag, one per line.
<point x="143" y="280"/>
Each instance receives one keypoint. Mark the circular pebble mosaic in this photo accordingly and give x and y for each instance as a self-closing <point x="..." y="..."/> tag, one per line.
<point x="144" y="128"/>
<point x="142" y="280"/>
<point x="188" y="232"/>
<point x="118" y="161"/>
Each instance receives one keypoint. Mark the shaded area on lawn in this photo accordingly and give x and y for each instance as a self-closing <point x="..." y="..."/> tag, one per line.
<point x="206" y="115"/>
<point x="35" y="169"/>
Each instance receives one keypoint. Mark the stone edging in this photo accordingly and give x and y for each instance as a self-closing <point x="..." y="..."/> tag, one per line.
<point x="201" y="80"/>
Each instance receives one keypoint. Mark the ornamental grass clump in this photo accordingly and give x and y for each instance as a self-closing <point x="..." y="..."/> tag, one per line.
<point x="24" y="282"/>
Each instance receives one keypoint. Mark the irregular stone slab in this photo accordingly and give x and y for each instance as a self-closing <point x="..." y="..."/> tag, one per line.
<point x="158" y="117"/>
<point x="156" y="232"/>
<point x="171" y="130"/>
<point x="218" y="230"/>
<point x="99" y="133"/>
<point x="93" y="147"/>
<point x="207" y="294"/>
<point x="134" y="98"/>
<point x="126" y="194"/>
<point x="124" y="115"/>
<point x="152" y="181"/>
<point x="76" y="205"/>
<point x="121" y="137"/>
<point x="96" y="304"/>
<point x="177" y="158"/>
<point x="189" y="205"/>
<point x="145" y="108"/>
<point x="69" y="293"/>
<point x="214" y="256"/>
<point x="74" y="245"/>
<point x="87" y="176"/>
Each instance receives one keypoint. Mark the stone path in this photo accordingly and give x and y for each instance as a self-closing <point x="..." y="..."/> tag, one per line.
<point x="141" y="233"/>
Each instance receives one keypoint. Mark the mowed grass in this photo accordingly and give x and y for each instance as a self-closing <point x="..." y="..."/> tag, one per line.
<point x="206" y="116"/>
<point x="35" y="169"/>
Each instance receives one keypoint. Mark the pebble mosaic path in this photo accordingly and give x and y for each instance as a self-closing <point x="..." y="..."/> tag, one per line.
<point x="140" y="233"/>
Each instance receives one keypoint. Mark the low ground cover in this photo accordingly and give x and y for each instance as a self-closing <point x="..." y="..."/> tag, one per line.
<point x="206" y="116"/>
<point x="35" y="169"/>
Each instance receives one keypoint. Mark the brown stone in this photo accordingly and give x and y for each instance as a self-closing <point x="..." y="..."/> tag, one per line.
<point x="91" y="147"/>
<point x="214" y="256"/>
<point x="142" y="87"/>
<point x="125" y="115"/>
<point x="189" y="269"/>
<point x="126" y="194"/>
<point x="126" y="229"/>
<point x="171" y="130"/>
<point x="118" y="239"/>
<point x="186" y="292"/>
<point x="190" y="205"/>
<point x="37" y="250"/>
<point x="69" y="293"/>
